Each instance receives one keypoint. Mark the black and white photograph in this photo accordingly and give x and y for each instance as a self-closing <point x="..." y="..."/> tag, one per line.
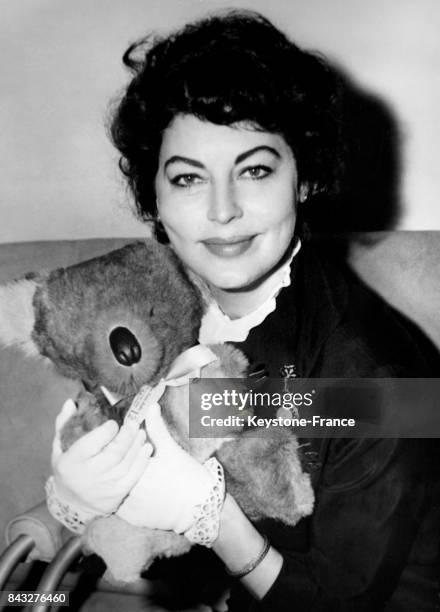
<point x="219" y="305"/>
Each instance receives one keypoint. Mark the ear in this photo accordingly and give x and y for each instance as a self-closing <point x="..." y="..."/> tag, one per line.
<point x="305" y="190"/>
<point x="17" y="316"/>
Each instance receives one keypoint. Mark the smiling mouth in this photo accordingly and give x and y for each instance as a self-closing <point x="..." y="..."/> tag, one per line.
<point x="228" y="247"/>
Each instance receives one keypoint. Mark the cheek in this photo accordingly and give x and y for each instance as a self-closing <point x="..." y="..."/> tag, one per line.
<point x="288" y="205"/>
<point x="275" y="198"/>
<point x="279" y="208"/>
<point x="179" y="214"/>
<point x="179" y="225"/>
<point x="171" y="213"/>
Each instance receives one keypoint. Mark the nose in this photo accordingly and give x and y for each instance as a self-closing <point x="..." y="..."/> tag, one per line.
<point x="224" y="205"/>
<point x="125" y="346"/>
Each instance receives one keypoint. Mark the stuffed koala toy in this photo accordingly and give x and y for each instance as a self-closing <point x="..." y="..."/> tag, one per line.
<point x="120" y="321"/>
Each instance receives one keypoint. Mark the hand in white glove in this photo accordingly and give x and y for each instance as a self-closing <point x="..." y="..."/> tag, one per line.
<point x="100" y="468"/>
<point x="172" y="486"/>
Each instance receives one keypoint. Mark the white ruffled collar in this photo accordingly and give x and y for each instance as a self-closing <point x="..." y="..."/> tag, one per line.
<point x="217" y="327"/>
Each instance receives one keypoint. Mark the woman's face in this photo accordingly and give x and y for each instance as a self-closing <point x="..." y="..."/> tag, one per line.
<point x="226" y="196"/>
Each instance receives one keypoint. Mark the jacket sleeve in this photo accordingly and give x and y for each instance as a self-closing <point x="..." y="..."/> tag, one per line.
<point x="371" y="500"/>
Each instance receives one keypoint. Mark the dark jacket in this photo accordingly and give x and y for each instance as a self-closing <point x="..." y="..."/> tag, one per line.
<point x="372" y="541"/>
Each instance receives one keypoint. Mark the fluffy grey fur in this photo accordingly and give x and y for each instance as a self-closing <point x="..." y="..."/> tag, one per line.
<point x="144" y="288"/>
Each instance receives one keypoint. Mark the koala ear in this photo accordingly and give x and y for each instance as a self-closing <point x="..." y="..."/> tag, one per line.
<point x="17" y="315"/>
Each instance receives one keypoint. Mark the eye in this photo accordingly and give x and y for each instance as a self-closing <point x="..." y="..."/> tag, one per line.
<point x="186" y="180"/>
<point x="256" y="172"/>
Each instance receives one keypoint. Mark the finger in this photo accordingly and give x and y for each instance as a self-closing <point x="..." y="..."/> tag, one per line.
<point x="93" y="442"/>
<point x="57" y="451"/>
<point x="67" y="411"/>
<point x="157" y="430"/>
<point x="124" y="465"/>
<point x="138" y="467"/>
<point x="118" y="447"/>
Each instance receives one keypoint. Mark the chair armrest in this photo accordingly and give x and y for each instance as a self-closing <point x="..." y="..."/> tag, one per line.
<point x="47" y="533"/>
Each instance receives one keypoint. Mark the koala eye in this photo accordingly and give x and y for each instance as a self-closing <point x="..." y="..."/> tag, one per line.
<point x="125" y="347"/>
<point x="151" y="311"/>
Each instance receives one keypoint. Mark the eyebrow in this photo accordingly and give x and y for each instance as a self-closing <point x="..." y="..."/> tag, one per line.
<point x="193" y="162"/>
<point x="186" y="160"/>
<point x="247" y="154"/>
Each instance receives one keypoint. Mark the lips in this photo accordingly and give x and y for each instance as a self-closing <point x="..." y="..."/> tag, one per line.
<point x="228" y="247"/>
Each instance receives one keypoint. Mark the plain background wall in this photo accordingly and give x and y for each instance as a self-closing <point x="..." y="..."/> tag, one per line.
<point x="60" y="63"/>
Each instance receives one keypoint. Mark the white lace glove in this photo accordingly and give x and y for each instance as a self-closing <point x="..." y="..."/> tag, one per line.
<point x="176" y="491"/>
<point x="94" y="475"/>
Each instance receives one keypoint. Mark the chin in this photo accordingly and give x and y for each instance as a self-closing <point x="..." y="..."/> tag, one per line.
<point x="232" y="282"/>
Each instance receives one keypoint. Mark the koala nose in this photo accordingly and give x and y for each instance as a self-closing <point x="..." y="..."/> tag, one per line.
<point x="125" y="347"/>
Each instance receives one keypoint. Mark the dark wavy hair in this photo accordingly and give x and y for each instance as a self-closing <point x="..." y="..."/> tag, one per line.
<point x="230" y="67"/>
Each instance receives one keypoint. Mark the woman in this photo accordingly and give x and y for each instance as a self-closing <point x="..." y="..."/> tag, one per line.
<point x="225" y="131"/>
